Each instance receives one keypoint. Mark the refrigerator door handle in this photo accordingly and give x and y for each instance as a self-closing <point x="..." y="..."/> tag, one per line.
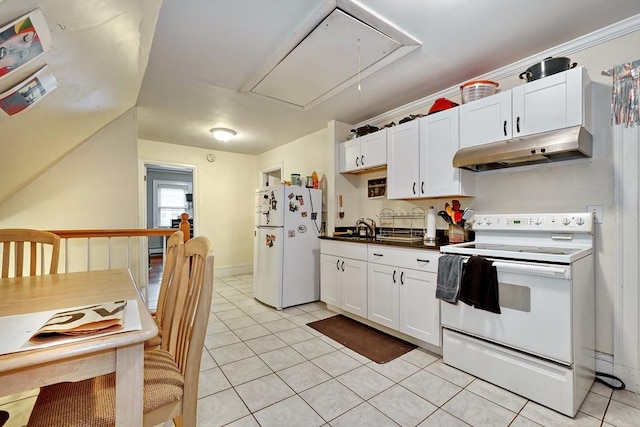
<point x="338" y="265"/>
<point x="342" y="265"/>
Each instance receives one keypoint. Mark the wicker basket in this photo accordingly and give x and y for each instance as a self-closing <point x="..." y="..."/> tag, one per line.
<point x="478" y="89"/>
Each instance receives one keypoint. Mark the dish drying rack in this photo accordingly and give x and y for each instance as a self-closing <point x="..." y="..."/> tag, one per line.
<point x="402" y="227"/>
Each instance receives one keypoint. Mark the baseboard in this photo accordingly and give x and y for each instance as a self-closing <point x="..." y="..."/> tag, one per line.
<point x="232" y="270"/>
<point x="604" y="363"/>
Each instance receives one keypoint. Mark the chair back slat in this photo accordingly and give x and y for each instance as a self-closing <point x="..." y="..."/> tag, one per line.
<point x="169" y="281"/>
<point x="192" y="305"/>
<point x="35" y="238"/>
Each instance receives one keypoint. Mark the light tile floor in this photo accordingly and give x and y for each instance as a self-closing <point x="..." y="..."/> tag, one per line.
<point x="262" y="367"/>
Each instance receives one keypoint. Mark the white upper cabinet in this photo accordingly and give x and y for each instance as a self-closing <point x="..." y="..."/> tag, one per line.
<point x="551" y="103"/>
<point x="554" y="102"/>
<point x="403" y="161"/>
<point x="419" y="155"/>
<point x="440" y="141"/>
<point x="366" y="152"/>
<point x="485" y="120"/>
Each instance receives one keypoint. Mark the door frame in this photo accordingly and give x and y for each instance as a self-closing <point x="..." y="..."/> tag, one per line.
<point x="143" y="163"/>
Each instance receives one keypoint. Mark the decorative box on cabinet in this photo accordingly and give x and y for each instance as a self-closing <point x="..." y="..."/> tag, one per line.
<point x="366" y="152"/>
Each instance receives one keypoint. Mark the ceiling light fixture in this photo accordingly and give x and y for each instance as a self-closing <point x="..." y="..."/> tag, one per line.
<point x="223" y="134"/>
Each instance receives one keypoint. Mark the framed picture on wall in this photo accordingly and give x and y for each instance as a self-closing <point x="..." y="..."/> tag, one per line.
<point x="377" y="188"/>
<point x="28" y="93"/>
<point x="22" y="41"/>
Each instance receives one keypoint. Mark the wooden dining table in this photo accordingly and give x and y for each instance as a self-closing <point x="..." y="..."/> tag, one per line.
<point x="122" y="353"/>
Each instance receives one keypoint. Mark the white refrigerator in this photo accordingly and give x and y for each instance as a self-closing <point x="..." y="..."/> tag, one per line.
<point x="286" y="254"/>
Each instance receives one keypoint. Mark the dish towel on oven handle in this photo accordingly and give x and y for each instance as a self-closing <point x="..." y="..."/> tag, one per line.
<point x="448" y="280"/>
<point x="479" y="285"/>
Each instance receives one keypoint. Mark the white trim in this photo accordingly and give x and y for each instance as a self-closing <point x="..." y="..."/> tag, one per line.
<point x="602" y="35"/>
<point x="626" y="322"/>
<point x="232" y="270"/>
<point x="604" y="363"/>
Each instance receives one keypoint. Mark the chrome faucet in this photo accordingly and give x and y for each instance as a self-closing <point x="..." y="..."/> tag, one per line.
<point x="369" y="227"/>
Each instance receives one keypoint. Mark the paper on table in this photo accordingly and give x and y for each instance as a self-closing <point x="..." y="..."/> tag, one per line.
<point x="90" y="320"/>
<point x="17" y="330"/>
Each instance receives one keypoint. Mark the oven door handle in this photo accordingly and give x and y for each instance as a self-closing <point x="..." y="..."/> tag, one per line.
<point x="538" y="269"/>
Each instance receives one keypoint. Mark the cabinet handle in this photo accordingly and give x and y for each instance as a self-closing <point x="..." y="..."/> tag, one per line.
<point x="358" y="158"/>
<point x="394" y="276"/>
<point x="362" y="160"/>
<point x="338" y="265"/>
<point x="375" y="254"/>
<point x="422" y="260"/>
<point x="518" y="124"/>
<point x="422" y="187"/>
<point x="402" y="278"/>
<point x="342" y="265"/>
<point x="414" y="188"/>
<point x="504" y="128"/>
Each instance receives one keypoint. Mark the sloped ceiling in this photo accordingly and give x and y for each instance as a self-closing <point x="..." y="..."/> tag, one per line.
<point x="206" y="54"/>
<point x="99" y="57"/>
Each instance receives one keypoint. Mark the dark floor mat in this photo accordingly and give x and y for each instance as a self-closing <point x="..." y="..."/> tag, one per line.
<point x="365" y="340"/>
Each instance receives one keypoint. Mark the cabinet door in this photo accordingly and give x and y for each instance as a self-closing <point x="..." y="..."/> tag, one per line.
<point x="354" y="286"/>
<point x="382" y="283"/>
<point x="373" y="149"/>
<point x="486" y="120"/>
<point x="350" y="155"/>
<point x="330" y="276"/>
<point x="419" y="308"/>
<point x="439" y="142"/>
<point x="403" y="167"/>
<point x="554" y="102"/>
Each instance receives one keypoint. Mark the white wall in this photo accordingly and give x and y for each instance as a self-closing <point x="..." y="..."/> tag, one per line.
<point x="94" y="187"/>
<point x="223" y="199"/>
<point x="303" y="156"/>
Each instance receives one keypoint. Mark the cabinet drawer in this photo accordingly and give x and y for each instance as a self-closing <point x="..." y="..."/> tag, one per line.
<point x="416" y="259"/>
<point x="344" y="249"/>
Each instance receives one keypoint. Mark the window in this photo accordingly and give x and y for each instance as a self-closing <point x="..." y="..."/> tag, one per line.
<point x="169" y="201"/>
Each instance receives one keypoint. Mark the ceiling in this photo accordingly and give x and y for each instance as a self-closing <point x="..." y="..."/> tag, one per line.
<point x="192" y="65"/>
<point x="205" y="53"/>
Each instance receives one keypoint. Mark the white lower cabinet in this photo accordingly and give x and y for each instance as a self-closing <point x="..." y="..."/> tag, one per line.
<point x="343" y="276"/>
<point x="391" y="286"/>
<point x="402" y="288"/>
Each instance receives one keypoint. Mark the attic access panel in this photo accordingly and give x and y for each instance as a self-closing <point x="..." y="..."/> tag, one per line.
<point x="326" y="61"/>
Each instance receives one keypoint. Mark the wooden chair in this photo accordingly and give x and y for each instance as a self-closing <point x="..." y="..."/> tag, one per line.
<point x="170" y="373"/>
<point x="168" y="287"/>
<point x="20" y="236"/>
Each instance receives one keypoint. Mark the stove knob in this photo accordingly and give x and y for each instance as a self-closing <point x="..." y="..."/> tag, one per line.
<point x="579" y="220"/>
<point x="488" y="221"/>
<point x="537" y="221"/>
<point x="566" y="221"/>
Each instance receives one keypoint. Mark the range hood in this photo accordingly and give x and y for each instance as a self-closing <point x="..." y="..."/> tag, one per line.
<point x="565" y="144"/>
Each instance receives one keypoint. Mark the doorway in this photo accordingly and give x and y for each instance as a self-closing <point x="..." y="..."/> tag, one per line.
<point x="169" y="193"/>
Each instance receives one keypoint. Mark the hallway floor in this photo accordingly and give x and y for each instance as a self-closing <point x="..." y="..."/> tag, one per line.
<point x="263" y="367"/>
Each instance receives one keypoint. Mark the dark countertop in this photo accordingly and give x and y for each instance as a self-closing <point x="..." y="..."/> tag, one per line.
<point x="370" y="240"/>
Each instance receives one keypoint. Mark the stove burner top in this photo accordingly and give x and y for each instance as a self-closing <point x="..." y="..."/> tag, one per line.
<point x="523" y="249"/>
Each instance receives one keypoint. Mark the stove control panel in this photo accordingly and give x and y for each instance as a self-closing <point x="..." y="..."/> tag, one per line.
<point x="570" y="222"/>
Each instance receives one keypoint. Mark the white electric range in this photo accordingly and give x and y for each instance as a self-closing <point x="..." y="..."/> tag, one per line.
<point x="542" y="344"/>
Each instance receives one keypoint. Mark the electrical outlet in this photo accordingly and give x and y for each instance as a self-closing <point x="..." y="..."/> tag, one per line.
<point x="597" y="212"/>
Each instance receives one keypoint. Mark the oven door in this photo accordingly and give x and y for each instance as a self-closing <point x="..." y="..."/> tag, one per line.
<point x="535" y="304"/>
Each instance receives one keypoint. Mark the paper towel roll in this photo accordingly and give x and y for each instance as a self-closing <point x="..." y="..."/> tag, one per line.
<point x="431" y="223"/>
